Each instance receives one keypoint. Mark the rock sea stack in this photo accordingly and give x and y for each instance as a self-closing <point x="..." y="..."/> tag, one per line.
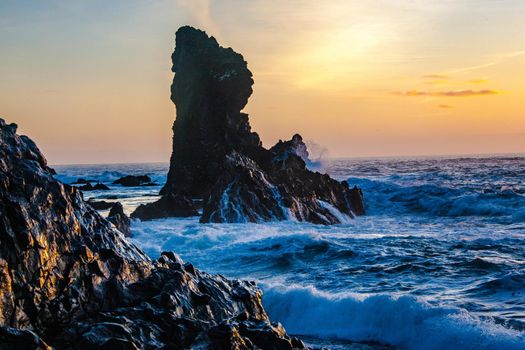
<point x="70" y="280"/>
<point x="219" y="161"/>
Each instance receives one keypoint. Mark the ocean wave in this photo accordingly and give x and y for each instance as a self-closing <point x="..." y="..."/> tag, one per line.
<point x="383" y="197"/>
<point x="511" y="284"/>
<point x="404" y="322"/>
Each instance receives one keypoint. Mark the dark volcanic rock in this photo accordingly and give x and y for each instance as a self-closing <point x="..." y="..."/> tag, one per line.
<point x="71" y="280"/>
<point x="117" y="217"/>
<point x="101" y="187"/>
<point x="89" y="187"/>
<point x="100" y="205"/>
<point x="211" y="86"/>
<point x="86" y="187"/>
<point x="134" y="181"/>
<point x="81" y="181"/>
<point x="217" y="159"/>
<point x="170" y="205"/>
<point x="243" y="194"/>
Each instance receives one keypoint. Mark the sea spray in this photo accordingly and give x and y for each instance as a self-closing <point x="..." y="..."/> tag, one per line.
<point x="403" y="321"/>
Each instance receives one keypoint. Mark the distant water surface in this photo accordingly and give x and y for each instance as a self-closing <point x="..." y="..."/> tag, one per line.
<point x="438" y="262"/>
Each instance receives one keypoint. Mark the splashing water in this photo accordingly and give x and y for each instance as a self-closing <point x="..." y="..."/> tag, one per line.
<point x="438" y="261"/>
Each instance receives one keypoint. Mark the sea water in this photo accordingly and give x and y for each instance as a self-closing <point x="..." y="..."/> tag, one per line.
<point x="438" y="261"/>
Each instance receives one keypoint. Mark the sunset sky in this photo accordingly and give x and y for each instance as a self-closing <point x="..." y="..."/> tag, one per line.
<point x="89" y="80"/>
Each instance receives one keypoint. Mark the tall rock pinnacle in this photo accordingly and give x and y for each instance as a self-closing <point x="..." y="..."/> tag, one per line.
<point x="211" y="86"/>
<point x="218" y="161"/>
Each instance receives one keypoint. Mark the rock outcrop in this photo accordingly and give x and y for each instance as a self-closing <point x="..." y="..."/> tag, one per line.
<point x="100" y="205"/>
<point x="134" y="181"/>
<point x="169" y="205"/>
<point x="70" y="280"/>
<point x="118" y="218"/>
<point x="89" y="187"/>
<point x="219" y="161"/>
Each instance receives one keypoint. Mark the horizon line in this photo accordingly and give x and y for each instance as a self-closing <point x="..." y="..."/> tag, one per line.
<point x="429" y="156"/>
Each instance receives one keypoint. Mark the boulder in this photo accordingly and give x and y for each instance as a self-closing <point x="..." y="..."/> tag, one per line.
<point x="100" y="205"/>
<point x="86" y="187"/>
<point x="133" y="181"/>
<point x="82" y="181"/>
<point x="70" y="280"/>
<point x="101" y="187"/>
<point x="117" y="217"/>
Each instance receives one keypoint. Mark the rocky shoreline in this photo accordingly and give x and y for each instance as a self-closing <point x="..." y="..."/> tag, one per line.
<point x="70" y="280"/>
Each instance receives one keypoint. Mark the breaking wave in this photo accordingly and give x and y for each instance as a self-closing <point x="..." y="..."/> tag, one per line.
<point x="383" y="197"/>
<point x="404" y="321"/>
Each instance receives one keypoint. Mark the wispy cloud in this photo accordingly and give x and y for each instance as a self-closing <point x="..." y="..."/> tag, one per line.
<point x="200" y="12"/>
<point x="478" y="81"/>
<point x="498" y="60"/>
<point x="455" y="93"/>
<point x="445" y="106"/>
<point x="435" y="76"/>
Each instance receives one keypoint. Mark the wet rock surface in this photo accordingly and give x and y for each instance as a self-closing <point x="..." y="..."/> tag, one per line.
<point x="169" y="205"/>
<point x="100" y="205"/>
<point x="70" y="280"/>
<point x="117" y="217"/>
<point x="216" y="157"/>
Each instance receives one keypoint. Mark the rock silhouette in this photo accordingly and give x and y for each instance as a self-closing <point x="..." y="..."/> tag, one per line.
<point x="219" y="161"/>
<point x="134" y="181"/>
<point x="70" y="280"/>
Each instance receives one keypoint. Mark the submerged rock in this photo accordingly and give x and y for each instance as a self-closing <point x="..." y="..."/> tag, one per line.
<point x="134" y="181"/>
<point x="101" y="187"/>
<point x="70" y="280"/>
<point x="218" y="159"/>
<point x="81" y="181"/>
<point x="89" y="187"/>
<point x="117" y="217"/>
<point x="100" y="205"/>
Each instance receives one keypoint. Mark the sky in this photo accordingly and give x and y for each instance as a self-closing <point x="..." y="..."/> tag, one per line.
<point x="89" y="81"/>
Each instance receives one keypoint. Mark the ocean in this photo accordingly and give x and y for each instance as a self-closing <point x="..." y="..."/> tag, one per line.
<point x="438" y="261"/>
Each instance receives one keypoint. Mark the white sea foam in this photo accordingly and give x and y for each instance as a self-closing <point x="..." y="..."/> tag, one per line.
<point x="403" y="321"/>
<point x="448" y="232"/>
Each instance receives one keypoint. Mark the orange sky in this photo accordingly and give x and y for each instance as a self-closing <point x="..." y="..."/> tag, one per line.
<point x="89" y="82"/>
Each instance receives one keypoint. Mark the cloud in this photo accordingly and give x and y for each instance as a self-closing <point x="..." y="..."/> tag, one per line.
<point x="200" y="13"/>
<point x="498" y="60"/>
<point x="455" y="93"/>
<point x="478" y="81"/>
<point x="445" y="106"/>
<point x="435" y="76"/>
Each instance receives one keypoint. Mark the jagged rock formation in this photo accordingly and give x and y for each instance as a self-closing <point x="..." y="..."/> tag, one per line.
<point x="69" y="280"/>
<point x="169" y="205"/>
<point x="117" y="217"/>
<point x="218" y="160"/>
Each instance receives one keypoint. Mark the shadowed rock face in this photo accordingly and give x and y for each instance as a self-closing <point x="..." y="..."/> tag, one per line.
<point x="68" y="279"/>
<point x="218" y="160"/>
<point x="211" y="86"/>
